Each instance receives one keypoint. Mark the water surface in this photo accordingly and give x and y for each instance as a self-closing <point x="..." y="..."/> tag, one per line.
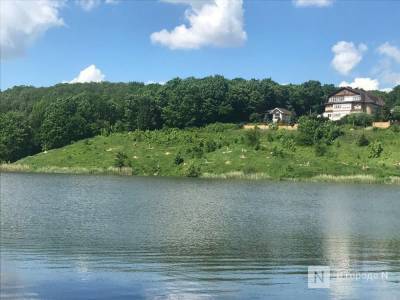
<point x="98" y="237"/>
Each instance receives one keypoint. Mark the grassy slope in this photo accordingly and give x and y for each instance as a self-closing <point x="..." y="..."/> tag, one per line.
<point x="153" y="153"/>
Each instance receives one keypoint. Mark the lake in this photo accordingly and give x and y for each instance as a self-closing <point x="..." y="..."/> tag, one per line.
<point x="99" y="237"/>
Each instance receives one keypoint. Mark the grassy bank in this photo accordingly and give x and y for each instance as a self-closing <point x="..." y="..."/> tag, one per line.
<point x="222" y="151"/>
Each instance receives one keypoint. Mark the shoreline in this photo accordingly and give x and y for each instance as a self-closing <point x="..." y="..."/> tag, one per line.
<point x="353" y="179"/>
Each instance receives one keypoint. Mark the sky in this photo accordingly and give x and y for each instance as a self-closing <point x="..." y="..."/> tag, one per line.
<point x="352" y="43"/>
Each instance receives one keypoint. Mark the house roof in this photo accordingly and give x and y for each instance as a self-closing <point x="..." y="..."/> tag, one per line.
<point x="282" y="110"/>
<point x="366" y="97"/>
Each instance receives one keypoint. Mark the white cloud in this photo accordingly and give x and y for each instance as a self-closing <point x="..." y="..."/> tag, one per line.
<point x="88" y="5"/>
<point x="90" y="74"/>
<point x="155" y="82"/>
<point x="388" y="68"/>
<point x="387" y="90"/>
<point x="391" y="77"/>
<point x="365" y="83"/>
<point x="22" y="22"/>
<point x="216" y="23"/>
<point x="390" y="51"/>
<point x="317" y="3"/>
<point x="347" y="56"/>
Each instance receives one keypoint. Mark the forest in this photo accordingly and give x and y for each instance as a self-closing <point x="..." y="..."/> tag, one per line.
<point x="39" y="119"/>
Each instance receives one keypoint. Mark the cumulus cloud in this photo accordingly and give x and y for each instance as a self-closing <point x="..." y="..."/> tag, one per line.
<point x="90" y="74"/>
<point x="216" y="23"/>
<point x="347" y="56"/>
<point x="317" y="3"/>
<point x="390" y="51"/>
<point x="388" y="68"/>
<point x="22" y="22"/>
<point x="365" y="83"/>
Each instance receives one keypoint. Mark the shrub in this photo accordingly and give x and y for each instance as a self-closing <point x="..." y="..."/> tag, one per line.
<point x="192" y="170"/>
<point x="252" y="137"/>
<point x="320" y="149"/>
<point x="358" y="119"/>
<point x="196" y="151"/>
<point x="395" y="128"/>
<point x="314" y="130"/>
<point x="178" y="159"/>
<point x="277" y="152"/>
<point x="249" y="170"/>
<point x="120" y="160"/>
<point x="273" y="126"/>
<point x="220" y="127"/>
<point x="256" y="117"/>
<point x="362" y="141"/>
<point x="395" y="114"/>
<point x="288" y="143"/>
<point x="375" y="149"/>
<point x="270" y="137"/>
<point x="210" y="146"/>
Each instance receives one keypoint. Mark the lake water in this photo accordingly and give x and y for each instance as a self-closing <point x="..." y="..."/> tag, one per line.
<point x="98" y="237"/>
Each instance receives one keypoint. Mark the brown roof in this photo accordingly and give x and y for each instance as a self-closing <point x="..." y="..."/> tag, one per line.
<point x="366" y="97"/>
<point x="283" y="110"/>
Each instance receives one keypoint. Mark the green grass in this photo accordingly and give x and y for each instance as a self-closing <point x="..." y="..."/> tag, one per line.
<point x="153" y="153"/>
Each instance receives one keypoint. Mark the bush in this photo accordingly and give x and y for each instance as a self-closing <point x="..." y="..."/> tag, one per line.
<point x="249" y="170"/>
<point x="220" y="127"/>
<point x="193" y="170"/>
<point x="320" y="149"/>
<point x="273" y="126"/>
<point x="178" y="159"/>
<point x="358" y="119"/>
<point x="210" y="146"/>
<point x="395" y="114"/>
<point x="277" y="152"/>
<point x="395" y="128"/>
<point x="270" y="137"/>
<point x="120" y="160"/>
<point x="252" y="137"/>
<point x="362" y="141"/>
<point x="196" y="151"/>
<point x="288" y="143"/>
<point x="313" y="130"/>
<point x="375" y="149"/>
<point x="256" y="117"/>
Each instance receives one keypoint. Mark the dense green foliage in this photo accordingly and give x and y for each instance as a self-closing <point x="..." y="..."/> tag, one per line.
<point x="175" y="152"/>
<point x="47" y="118"/>
<point x="15" y="134"/>
<point x="360" y="119"/>
<point x="362" y="141"/>
<point x="315" y="130"/>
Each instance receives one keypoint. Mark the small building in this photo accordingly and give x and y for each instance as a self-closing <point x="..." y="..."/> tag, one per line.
<point x="347" y="101"/>
<point x="280" y="115"/>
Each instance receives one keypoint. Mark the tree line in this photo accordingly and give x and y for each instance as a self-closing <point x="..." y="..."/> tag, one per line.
<point x="36" y="119"/>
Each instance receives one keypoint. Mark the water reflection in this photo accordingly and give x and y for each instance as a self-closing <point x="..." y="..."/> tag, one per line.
<point x="102" y="237"/>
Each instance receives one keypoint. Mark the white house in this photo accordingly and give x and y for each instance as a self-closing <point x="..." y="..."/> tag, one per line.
<point x="280" y="115"/>
<point x="347" y="101"/>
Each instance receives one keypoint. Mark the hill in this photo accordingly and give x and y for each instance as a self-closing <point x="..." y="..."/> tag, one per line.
<point x="224" y="151"/>
<point x="36" y="119"/>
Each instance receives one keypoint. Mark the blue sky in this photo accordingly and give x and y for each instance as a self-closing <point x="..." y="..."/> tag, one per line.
<point x="289" y="41"/>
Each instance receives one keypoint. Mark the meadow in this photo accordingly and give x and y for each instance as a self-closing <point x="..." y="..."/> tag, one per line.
<point x="227" y="151"/>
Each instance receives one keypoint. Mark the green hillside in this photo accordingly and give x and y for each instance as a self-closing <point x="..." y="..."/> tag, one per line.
<point x="226" y="151"/>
